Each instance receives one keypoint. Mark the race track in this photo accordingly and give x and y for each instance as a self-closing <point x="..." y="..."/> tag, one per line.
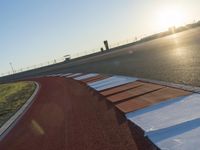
<point x="68" y="116"/>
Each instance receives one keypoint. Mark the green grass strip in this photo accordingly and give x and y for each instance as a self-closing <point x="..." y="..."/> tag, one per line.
<point x="12" y="97"/>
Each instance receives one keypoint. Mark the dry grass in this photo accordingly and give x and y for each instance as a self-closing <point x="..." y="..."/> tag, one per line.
<point x="12" y="97"/>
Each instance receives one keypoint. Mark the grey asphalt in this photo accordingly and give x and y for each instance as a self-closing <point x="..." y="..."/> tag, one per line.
<point x="174" y="58"/>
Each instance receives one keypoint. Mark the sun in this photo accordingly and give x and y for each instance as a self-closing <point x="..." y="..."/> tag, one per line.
<point x="170" y="16"/>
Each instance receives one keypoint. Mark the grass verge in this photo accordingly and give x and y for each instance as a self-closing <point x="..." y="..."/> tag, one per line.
<point x="12" y="97"/>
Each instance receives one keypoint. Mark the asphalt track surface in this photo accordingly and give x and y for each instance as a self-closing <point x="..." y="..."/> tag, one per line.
<point x="68" y="116"/>
<point x="174" y="58"/>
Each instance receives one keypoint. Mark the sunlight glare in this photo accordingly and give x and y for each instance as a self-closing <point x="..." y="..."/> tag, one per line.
<point x="171" y="16"/>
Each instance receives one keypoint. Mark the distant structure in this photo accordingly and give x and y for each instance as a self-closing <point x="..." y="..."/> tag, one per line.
<point x="12" y="67"/>
<point x="106" y="44"/>
<point x="102" y="49"/>
<point x="67" y="57"/>
<point x="172" y="29"/>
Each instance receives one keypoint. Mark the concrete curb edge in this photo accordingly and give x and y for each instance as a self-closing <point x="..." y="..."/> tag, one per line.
<point x="9" y="124"/>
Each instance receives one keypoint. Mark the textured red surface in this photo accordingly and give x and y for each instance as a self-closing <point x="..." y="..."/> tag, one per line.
<point x="94" y="79"/>
<point x="121" y="88"/>
<point x="143" y="89"/>
<point x="150" y="99"/>
<point x="65" y="116"/>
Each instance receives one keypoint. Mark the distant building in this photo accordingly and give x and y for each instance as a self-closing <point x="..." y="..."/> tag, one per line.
<point x="106" y="44"/>
<point x="67" y="57"/>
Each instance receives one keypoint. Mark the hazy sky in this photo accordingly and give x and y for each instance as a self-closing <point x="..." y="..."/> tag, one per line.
<point x="35" y="31"/>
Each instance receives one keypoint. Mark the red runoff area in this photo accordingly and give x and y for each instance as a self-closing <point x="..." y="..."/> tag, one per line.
<point x="68" y="116"/>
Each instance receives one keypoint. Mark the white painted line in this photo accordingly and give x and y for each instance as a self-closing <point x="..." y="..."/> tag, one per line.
<point x="73" y="75"/>
<point x="67" y="74"/>
<point x="86" y="76"/>
<point x="184" y="136"/>
<point x="173" y="124"/>
<point x="168" y="113"/>
<point x="17" y="116"/>
<point x="111" y="82"/>
<point x="102" y="82"/>
<point x="116" y="83"/>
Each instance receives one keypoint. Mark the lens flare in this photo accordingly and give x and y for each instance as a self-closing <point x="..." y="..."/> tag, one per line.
<point x="171" y="16"/>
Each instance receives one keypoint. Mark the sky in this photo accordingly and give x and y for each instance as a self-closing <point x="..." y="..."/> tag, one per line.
<point x="36" y="31"/>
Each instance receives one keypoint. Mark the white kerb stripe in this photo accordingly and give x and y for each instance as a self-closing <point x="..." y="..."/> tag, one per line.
<point x="100" y="81"/>
<point x="116" y="83"/>
<point x="76" y="74"/>
<point x="106" y="81"/>
<point x="168" y="113"/>
<point x="184" y="136"/>
<point x="86" y="76"/>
